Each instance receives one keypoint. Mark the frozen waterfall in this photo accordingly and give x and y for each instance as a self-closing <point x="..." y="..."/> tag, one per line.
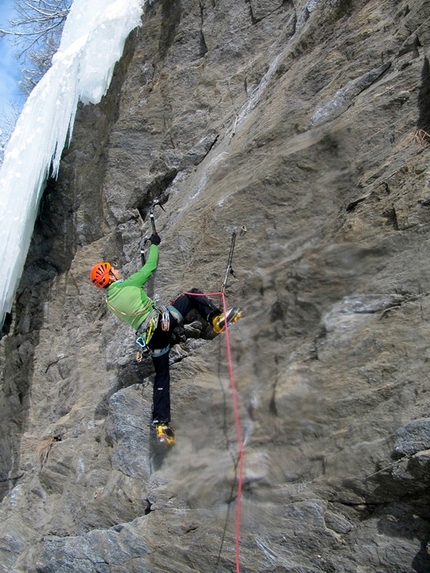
<point x="92" y="42"/>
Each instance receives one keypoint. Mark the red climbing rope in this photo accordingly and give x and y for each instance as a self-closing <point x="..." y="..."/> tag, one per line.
<point x="238" y="433"/>
<point x="236" y="421"/>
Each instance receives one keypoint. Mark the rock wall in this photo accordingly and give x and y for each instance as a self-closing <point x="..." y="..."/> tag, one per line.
<point x="305" y="122"/>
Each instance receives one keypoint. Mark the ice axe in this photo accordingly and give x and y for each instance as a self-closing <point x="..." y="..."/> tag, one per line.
<point x="153" y="227"/>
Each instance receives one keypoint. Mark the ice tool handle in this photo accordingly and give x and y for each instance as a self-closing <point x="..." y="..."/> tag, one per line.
<point x="151" y="214"/>
<point x="153" y="227"/>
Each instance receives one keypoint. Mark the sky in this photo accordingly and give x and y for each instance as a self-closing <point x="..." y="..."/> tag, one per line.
<point x="9" y="66"/>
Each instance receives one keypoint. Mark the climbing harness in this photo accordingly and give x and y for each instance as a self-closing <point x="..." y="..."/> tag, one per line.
<point x="176" y="314"/>
<point x="145" y="332"/>
<point x="160" y="314"/>
<point x="229" y="270"/>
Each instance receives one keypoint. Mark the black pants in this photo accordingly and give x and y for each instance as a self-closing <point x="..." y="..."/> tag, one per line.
<point x="161" y="340"/>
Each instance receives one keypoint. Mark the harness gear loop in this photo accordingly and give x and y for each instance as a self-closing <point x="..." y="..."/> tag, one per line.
<point x="147" y="329"/>
<point x="143" y="340"/>
<point x="176" y="314"/>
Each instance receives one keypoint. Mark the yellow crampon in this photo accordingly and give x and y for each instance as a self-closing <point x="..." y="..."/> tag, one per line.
<point x="219" y="322"/>
<point x="165" y="434"/>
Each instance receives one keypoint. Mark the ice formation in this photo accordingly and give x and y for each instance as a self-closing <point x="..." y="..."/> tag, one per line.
<point x="92" y="42"/>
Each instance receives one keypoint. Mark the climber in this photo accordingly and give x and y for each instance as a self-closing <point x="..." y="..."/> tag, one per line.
<point x="154" y="324"/>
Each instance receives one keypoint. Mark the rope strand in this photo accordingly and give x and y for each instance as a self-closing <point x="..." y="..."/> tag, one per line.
<point x="237" y="422"/>
<point x="238" y="433"/>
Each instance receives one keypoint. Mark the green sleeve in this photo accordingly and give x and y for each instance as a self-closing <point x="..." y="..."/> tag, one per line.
<point x="139" y="279"/>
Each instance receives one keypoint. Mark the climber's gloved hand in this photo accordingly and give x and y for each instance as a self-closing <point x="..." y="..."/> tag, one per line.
<point x="155" y="239"/>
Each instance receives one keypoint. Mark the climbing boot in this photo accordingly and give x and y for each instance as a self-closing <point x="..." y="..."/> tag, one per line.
<point x="164" y="434"/>
<point x="219" y="322"/>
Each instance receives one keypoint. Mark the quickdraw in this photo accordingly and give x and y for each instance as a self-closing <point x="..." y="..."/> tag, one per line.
<point x="148" y="329"/>
<point x="229" y="270"/>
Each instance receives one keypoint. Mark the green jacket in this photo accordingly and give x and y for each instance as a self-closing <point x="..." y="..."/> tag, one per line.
<point x="127" y="299"/>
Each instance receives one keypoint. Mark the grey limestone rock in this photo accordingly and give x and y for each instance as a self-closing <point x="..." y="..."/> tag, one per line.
<point x="304" y="122"/>
<point x="412" y="438"/>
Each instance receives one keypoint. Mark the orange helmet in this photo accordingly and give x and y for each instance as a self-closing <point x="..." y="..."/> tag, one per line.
<point x="100" y="274"/>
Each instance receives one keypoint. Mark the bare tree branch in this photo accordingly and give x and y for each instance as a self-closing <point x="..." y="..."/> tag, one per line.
<point x="36" y="32"/>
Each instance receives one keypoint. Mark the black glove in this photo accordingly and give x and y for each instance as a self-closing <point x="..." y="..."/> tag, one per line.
<point x="155" y="239"/>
